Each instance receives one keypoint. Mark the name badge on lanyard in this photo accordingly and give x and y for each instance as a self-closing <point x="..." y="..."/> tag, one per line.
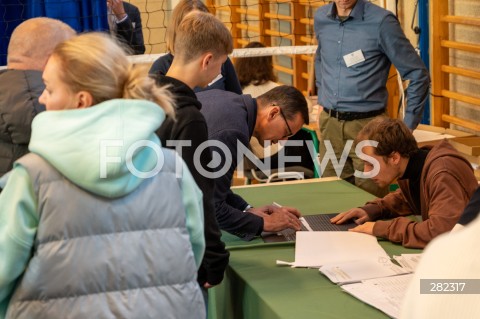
<point x="353" y="58"/>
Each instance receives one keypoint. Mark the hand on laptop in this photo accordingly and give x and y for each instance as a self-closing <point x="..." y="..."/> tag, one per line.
<point x="279" y="218"/>
<point x="366" y="228"/>
<point x="359" y="215"/>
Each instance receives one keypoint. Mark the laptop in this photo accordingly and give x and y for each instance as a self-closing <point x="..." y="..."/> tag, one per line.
<point x="319" y="222"/>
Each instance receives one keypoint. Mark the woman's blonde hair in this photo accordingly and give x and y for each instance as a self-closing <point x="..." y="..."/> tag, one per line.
<point x="179" y="12"/>
<point x="95" y="63"/>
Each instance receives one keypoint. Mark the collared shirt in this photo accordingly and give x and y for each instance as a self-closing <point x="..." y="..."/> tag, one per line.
<point x="362" y="86"/>
<point x="113" y="21"/>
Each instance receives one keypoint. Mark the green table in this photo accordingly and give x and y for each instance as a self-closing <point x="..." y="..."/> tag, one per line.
<point x="255" y="288"/>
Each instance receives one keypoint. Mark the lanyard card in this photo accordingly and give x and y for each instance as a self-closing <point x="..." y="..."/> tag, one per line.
<point x="353" y="58"/>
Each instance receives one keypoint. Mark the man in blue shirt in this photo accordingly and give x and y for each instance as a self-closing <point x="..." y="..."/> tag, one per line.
<point x="357" y="43"/>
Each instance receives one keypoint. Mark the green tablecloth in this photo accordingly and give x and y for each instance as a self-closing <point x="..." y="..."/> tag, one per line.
<point x="255" y="288"/>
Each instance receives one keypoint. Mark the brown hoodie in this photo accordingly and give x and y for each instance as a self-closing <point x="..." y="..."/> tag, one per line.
<point x="446" y="185"/>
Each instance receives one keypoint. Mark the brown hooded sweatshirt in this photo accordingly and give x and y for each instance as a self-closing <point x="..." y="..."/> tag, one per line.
<point x="446" y="185"/>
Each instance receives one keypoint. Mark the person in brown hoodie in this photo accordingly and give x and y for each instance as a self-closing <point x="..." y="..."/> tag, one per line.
<point x="434" y="182"/>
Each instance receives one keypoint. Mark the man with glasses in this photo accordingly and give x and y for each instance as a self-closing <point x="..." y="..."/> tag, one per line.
<point x="232" y="120"/>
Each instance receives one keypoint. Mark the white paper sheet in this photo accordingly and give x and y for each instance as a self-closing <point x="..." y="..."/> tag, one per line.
<point x="315" y="249"/>
<point x="355" y="271"/>
<point x="385" y="294"/>
<point x="408" y="261"/>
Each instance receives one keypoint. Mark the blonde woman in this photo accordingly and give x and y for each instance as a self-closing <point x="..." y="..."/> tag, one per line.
<point x="99" y="221"/>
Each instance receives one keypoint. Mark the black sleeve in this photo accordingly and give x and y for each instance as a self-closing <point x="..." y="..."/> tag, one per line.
<point x="129" y="31"/>
<point x="228" y="206"/>
<point x="472" y="210"/>
<point x="232" y="83"/>
<point x="161" y="65"/>
<point x="216" y="256"/>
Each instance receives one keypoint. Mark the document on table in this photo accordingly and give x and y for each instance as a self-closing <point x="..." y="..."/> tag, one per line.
<point x="355" y="271"/>
<point x="315" y="249"/>
<point x="385" y="294"/>
<point x="408" y="261"/>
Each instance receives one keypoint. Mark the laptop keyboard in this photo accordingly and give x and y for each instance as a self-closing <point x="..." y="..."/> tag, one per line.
<point x="319" y="222"/>
<point x="322" y="223"/>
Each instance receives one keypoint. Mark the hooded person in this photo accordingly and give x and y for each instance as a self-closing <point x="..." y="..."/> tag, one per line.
<point x="202" y="44"/>
<point x="99" y="220"/>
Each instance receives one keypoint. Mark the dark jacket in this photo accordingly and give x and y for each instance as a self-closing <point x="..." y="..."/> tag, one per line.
<point x="130" y="30"/>
<point x="231" y="119"/>
<point x="228" y="82"/>
<point x="190" y="126"/>
<point x="472" y="210"/>
<point x="446" y="185"/>
<point x="19" y="93"/>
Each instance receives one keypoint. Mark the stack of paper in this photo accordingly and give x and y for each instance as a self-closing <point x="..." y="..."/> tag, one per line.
<point x="357" y="270"/>
<point x="358" y="263"/>
<point x="385" y="294"/>
<point x="315" y="249"/>
<point x="408" y="261"/>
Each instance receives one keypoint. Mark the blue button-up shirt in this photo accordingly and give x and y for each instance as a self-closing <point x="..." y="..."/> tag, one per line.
<point x="362" y="86"/>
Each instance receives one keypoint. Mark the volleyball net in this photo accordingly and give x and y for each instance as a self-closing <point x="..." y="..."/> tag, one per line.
<point x="284" y="26"/>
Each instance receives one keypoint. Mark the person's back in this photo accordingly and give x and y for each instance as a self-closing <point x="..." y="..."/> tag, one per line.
<point x="138" y="260"/>
<point x="232" y="120"/>
<point x="257" y="76"/>
<point x="21" y="83"/>
<point x="223" y="110"/>
<point x="126" y="220"/>
<point x="257" y="90"/>
<point x="226" y="79"/>
<point x="202" y="43"/>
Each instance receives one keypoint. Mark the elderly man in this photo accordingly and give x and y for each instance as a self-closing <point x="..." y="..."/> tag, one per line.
<point x="21" y="83"/>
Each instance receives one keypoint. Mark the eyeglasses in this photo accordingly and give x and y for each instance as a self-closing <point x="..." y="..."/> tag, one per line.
<point x="289" y="131"/>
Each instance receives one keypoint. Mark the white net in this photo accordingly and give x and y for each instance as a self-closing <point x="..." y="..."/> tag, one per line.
<point x="241" y="53"/>
<point x="284" y="26"/>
